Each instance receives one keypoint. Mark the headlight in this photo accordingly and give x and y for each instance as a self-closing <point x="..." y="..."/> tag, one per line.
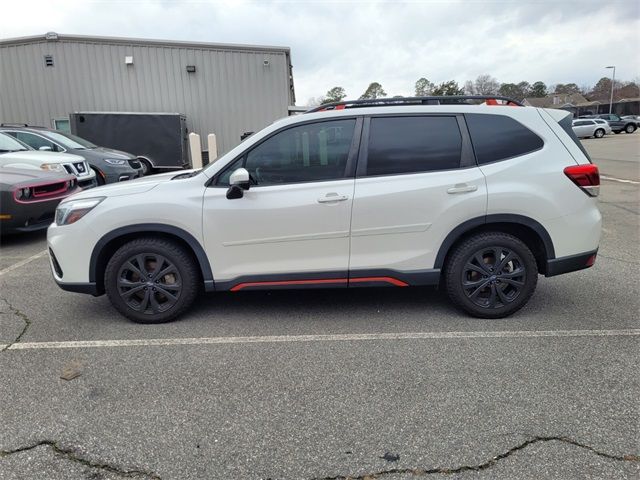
<point x="73" y="210"/>
<point x="53" y="167"/>
<point x="23" y="193"/>
<point x="114" y="161"/>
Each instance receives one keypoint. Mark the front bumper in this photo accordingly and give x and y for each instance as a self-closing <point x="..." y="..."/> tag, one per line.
<point x="86" y="288"/>
<point x="86" y="183"/>
<point x="26" y="217"/>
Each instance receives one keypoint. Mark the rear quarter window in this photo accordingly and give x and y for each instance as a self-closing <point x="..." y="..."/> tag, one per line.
<point x="498" y="137"/>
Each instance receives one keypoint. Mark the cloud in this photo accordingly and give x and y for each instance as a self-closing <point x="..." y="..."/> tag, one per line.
<point x="354" y="43"/>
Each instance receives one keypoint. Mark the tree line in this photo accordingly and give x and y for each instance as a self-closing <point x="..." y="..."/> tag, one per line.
<point x="488" y="85"/>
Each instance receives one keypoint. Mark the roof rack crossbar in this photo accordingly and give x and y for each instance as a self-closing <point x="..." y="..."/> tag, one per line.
<point x="433" y="100"/>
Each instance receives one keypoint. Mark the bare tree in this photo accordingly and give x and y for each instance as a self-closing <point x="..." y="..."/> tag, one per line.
<point x="485" y="85"/>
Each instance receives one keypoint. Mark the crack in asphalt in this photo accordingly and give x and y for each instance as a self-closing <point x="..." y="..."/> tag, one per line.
<point x="482" y="466"/>
<point x="73" y="456"/>
<point x="617" y="259"/>
<point x="27" y="323"/>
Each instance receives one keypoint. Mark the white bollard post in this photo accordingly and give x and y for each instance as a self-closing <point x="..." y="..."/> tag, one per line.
<point x="196" y="150"/>
<point x="213" y="147"/>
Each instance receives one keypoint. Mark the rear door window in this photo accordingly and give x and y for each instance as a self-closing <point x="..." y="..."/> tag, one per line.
<point x="499" y="137"/>
<point x="412" y="144"/>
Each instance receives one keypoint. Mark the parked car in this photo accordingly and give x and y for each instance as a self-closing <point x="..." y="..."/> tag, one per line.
<point x="29" y="197"/>
<point x="635" y="118"/>
<point x="591" y="127"/>
<point x="480" y="198"/>
<point x="14" y="153"/>
<point x="110" y="165"/>
<point x="618" y="124"/>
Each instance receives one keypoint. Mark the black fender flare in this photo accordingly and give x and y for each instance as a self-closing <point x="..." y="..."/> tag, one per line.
<point x="195" y="246"/>
<point x="464" y="227"/>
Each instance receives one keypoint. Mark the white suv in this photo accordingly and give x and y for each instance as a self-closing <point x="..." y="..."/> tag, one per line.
<point x="16" y="154"/>
<point x="397" y="192"/>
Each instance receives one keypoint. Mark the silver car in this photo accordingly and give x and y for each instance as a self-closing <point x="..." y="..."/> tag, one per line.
<point x="591" y="127"/>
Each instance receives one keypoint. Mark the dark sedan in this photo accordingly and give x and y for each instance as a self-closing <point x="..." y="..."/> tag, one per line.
<point x="28" y="198"/>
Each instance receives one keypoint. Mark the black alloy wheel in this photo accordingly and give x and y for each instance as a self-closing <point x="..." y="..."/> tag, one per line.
<point x="152" y="280"/>
<point x="149" y="283"/>
<point x="493" y="277"/>
<point x="490" y="275"/>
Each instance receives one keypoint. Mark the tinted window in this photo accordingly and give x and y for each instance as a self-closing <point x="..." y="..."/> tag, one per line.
<point x="36" y="141"/>
<point x="413" y="144"/>
<point x="582" y="123"/>
<point x="308" y="153"/>
<point x="498" y="137"/>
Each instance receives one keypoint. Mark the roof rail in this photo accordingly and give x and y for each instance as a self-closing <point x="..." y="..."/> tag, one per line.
<point x="442" y="100"/>
<point x="13" y="125"/>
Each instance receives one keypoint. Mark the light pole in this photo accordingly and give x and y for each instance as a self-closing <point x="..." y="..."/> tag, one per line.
<point x="613" y="79"/>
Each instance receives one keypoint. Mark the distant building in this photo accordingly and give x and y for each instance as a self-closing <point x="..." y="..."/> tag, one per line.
<point x="579" y="105"/>
<point x="221" y="88"/>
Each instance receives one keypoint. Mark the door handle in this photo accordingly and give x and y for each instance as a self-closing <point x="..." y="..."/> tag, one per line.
<point x="332" y="197"/>
<point x="462" y="188"/>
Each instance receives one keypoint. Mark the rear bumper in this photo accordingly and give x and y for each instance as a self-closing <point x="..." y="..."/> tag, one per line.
<point x="572" y="263"/>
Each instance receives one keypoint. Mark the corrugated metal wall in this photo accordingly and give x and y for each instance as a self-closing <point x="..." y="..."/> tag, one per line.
<point x="231" y="92"/>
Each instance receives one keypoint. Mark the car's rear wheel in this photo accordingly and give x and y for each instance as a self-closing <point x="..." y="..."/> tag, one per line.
<point x="151" y="280"/>
<point x="599" y="133"/>
<point x="630" y="128"/>
<point x="491" y="275"/>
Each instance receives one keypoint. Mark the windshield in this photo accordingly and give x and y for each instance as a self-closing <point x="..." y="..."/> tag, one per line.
<point x="10" y="144"/>
<point x="70" y="141"/>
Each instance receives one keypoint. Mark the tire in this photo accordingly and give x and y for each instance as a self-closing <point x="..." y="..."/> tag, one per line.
<point x="599" y="133"/>
<point x="489" y="294"/>
<point x="147" y="169"/>
<point x="99" y="180"/>
<point x="630" y="128"/>
<point x="155" y="300"/>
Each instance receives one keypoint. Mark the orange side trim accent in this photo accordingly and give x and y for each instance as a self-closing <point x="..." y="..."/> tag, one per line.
<point x="240" y="286"/>
<point x="391" y="280"/>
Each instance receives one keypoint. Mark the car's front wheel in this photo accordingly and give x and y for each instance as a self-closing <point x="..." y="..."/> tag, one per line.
<point x="599" y="133"/>
<point x="491" y="275"/>
<point x="630" y="128"/>
<point x="151" y="280"/>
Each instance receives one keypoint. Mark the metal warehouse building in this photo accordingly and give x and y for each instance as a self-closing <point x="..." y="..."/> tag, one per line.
<point x="222" y="89"/>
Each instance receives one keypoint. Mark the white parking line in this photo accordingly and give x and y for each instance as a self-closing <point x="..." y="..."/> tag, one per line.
<point x="348" y="337"/>
<point x="620" y="180"/>
<point x="23" y="262"/>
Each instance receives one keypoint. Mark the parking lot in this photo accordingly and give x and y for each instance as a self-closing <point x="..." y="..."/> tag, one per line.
<point x="332" y="384"/>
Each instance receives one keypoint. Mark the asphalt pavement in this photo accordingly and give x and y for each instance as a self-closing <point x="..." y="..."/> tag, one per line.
<point x="332" y="384"/>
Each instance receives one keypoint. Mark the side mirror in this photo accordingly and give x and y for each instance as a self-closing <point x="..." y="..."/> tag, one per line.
<point x="45" y="149"/>
<point x="240" y="177"/>
<point x="239" y="181"/>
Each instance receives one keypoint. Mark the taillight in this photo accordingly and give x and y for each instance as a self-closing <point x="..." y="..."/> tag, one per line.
<point x="586" y="177"/>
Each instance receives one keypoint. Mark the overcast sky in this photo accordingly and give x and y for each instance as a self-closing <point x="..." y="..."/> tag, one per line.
<point x="354" y="43"/>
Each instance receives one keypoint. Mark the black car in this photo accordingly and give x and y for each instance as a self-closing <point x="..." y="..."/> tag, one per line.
<point x="29" y="197"/>
<point x="618" y="124"/>
<point x="110" y="165"/>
